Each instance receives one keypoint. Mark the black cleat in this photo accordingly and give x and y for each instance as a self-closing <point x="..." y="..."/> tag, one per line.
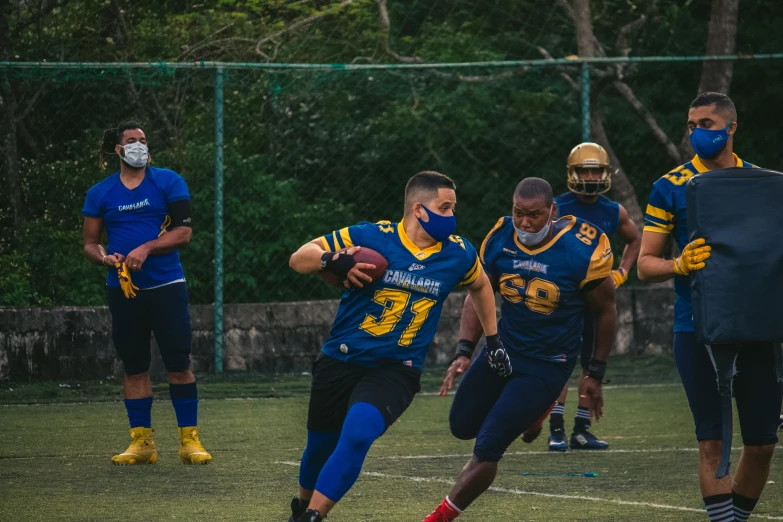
<point x="584" y="440"/>
<point x="298" y="508"/>
<point x="310" y="515"/>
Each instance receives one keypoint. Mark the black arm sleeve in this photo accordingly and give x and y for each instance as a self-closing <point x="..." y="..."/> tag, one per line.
<point x="179" y="211"/>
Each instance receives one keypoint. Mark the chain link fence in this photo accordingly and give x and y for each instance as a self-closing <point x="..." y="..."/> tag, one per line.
<point x="307" y="150"/>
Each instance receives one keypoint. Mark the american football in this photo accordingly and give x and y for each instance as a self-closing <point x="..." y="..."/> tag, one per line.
<point x="364" y="255"/>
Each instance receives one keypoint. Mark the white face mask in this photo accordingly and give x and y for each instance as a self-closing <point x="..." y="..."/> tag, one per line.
<point x="136" y="154"/>
<point x="530" y="239"/>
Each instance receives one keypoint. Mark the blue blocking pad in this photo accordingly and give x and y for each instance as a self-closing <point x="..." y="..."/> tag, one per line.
<point x="738" y="295"/>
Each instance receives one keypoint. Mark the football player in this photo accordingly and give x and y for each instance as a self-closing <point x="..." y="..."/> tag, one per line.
<point x="589" y="173"/>
<point x="369" y="369"/>
<point x="712" y="123"/>
<point x="547" y="272"/>
<point x="146" y="214"/>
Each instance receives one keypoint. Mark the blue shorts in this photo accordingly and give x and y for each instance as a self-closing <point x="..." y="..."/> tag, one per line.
<point x="162" y="311"/>
<point x="496" y="410"/>
<point x="757" y="392"/>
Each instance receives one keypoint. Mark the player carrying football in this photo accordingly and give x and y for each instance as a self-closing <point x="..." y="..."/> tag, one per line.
<point x="589" y="177"/>
<point x="547" y="272"/>
<point x="146" y="214"/>
<point x="369" y="369"/>
<point x="712" y="122"/>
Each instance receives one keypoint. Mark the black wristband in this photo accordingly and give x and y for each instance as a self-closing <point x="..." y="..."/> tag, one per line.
<point x="596" y="370"/>
<point x="340" y="266"/>
<point x="465" y="348"/>
<point x="492" y="342"/>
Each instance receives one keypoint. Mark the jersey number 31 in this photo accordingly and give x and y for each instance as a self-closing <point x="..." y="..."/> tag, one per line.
<point x="394" y="303"/>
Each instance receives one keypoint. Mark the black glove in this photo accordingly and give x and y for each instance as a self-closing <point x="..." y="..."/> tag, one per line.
<point x="340" y="266"/>
<point x="497" y="356"/>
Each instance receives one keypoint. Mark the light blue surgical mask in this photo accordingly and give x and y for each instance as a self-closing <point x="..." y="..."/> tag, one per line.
<point x="136" y="154"/>
<point x="530" y="239"/>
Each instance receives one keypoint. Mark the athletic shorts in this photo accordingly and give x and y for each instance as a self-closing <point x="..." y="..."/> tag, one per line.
<point x="162" y="311"/>
<point x="338" y="385"/>
<point x="757" y="392"/>
<point x="588" y="340"/>
<point x="496" y="410"/>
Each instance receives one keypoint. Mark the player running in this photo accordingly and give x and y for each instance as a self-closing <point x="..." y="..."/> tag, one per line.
<point x="369" y="369"/>
<point x="589" y="177"/>
<point x="712" y="121"/>
<point x="547" y="273"/>
<point x="146" y="214"/>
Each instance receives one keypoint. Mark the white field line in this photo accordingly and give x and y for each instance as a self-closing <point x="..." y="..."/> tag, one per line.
<point x="424" y="394"/>
<point x="538" y="494"/>
<point x="608" y="387"/>
<point x="556" y="453"/>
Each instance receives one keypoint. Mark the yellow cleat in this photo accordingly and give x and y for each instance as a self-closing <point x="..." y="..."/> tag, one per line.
<point x="190" y="449"/>
<point x="140" y="451"/>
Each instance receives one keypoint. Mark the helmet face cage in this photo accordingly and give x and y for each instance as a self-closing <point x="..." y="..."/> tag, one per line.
<point x="589" y="155"/>
<point x="589" y="187"/>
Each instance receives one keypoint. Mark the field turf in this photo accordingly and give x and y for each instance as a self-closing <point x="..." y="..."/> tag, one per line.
<point x="56" y="440"/>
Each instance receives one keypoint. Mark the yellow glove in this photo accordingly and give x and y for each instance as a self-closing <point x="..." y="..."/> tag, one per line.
<point x="693" y="256"/>
<point x="619" y="277"/>
<point x="128" y="288"/>
<point x="166" y="224"/>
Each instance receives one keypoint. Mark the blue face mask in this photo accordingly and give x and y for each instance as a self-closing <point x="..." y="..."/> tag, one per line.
<point x="708" y="143"/>
<point x="438" y="227"/>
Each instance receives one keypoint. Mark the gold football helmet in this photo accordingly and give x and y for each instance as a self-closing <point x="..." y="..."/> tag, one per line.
<point x="591" y="156"/>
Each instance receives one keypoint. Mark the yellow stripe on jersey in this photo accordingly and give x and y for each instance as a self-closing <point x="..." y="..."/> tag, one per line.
<point x="325" y="244"/>
<point x="659" y="213"/>
<point x="486" y="239"/>
<point x="472" y="274"/>
<point x="600" y="263"/>
<point x="659" y="229"/>
<point x="346" y="237"/>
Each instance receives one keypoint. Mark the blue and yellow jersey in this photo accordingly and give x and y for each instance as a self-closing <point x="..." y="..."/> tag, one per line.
<point x="603" y="213"/>
<point x="396" y="318"/>
<point x="543" y="305"/>
<point x="667" y="214"/>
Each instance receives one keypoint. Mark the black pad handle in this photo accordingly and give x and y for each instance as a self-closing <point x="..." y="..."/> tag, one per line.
<point x="724" y="359"/>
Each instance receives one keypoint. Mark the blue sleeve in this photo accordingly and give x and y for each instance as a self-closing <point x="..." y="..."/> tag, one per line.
<point x="347" y="237"/>
<point x="659" y="215"/>
<point x="486" y="254"/>
<point x="474" y="270"/>
<point x="92" y="204"/>
<point x="177" y="189"/>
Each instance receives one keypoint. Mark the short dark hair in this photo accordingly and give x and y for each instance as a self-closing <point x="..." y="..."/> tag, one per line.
<point x="722" y="103"/>
<point x="112" y="137"/>
<point x="532" y="188"/>
<point x="424" y="186"/>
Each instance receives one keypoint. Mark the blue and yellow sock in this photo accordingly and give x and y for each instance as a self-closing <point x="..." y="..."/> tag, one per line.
<point x="139" y="412"/>
<point x="184" y="397"/>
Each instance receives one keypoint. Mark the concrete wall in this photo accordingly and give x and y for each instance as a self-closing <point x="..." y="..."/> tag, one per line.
<point x="75" y="343"/>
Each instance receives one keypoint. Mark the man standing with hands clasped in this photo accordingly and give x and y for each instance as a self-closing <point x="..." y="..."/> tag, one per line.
<point x="146" y="214"/>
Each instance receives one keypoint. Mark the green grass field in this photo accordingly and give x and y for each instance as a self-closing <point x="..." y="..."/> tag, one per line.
<point x="55" y="445"/>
